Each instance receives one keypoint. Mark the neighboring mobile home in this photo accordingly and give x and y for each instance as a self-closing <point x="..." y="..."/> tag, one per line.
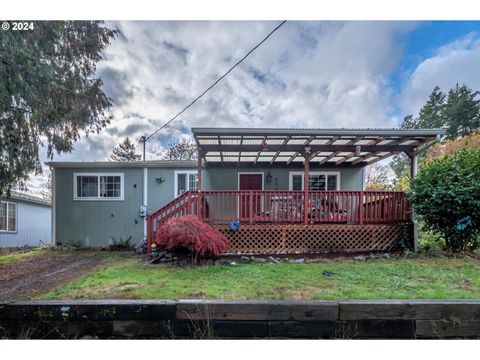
<point x="25" y="220"/>
<point x="291" y="190"/>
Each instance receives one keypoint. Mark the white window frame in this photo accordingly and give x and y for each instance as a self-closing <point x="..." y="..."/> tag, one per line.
<point x="16" y="218"/>
<point x="175" y="180"/>
<point x="326" y="173"/>
<point x="98" y="197"/>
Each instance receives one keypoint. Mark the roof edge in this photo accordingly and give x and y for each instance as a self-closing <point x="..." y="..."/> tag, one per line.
<point x="19" y="196"/>
<point x="122" y="164"/>
<point x="318" y="131"/>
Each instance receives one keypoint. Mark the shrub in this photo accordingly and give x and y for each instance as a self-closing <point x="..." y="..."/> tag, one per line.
<point x="446" y="196"/>
<point x="120" y="244"/>
<point x="429" y="241"/>
<point x="195" y="235"/>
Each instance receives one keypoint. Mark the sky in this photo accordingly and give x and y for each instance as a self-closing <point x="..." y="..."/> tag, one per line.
<point x="308" y="74"/>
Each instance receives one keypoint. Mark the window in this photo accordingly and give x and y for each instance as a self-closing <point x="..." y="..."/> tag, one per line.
<point x="98" y="186"/>
<point x="185" y="181"/>
<point x="316" y="180"/>
<point x="8" y="216"/>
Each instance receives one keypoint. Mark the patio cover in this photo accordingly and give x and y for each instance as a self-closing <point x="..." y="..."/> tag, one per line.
<point x="260" y="147"/>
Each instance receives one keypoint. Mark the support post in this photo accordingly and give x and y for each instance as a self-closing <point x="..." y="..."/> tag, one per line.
<point x="413" y="173"/>
<point x="199" y="170"/>
<point x="361" y="206"/>
<point x="306" y="172"/>
<point x="199" y="184"/>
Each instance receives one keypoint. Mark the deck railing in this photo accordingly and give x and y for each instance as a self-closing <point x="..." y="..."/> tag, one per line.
<point x="277" y="206"/>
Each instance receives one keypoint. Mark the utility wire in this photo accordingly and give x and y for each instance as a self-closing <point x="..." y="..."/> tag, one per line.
<point x="145" y="139"/>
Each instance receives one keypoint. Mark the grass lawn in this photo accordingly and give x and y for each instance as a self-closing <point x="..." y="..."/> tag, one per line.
<point x="425" y="278"/>
<point x="17" y="256"/>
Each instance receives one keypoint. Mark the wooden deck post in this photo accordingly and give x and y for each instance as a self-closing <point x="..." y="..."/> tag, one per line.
<point x="306" y="180"/>
<point x="413" y="173"/>
<point x="199" y="170"/>
<point x="361" y="207"/>
<point x="199" y="183"/>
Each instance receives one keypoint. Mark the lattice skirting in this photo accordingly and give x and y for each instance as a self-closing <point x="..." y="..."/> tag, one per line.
<point x="317" y="238"/>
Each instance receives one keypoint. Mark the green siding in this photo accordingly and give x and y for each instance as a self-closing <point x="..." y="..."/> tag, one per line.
<point x="161" y="193"/>
<point x="227" y="178"/>
<point x="93" y="223"/>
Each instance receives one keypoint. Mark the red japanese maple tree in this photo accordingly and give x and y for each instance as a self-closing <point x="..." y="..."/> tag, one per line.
<point x="192" y="233"/>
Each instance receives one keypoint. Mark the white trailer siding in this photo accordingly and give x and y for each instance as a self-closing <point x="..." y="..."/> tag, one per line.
<point x="33" y="225"/>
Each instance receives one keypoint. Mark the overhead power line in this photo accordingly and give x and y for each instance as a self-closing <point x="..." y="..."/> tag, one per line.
<point x="145" y="139"/>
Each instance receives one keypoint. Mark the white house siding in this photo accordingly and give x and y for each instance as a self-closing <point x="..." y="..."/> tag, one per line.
<point x="33" y="226"/>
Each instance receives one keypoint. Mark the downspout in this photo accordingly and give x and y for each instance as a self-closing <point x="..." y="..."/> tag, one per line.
<point x="145" y="201"/>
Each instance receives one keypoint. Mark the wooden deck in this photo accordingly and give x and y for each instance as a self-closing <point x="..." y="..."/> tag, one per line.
<point x="297" y="222"/>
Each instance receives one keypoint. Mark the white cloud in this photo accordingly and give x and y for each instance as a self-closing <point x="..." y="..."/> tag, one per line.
<point x="308" y="74"/>
<point x="456" y="62"/>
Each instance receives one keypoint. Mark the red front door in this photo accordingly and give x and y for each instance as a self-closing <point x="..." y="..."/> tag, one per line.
<point x="250" y="182"/>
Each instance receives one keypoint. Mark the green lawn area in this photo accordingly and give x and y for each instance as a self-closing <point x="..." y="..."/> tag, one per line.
<point x="17" y="256"/>
<point x="425" y="278"/>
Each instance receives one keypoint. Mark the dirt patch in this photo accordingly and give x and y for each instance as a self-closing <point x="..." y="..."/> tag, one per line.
<point x="25" y="279"/>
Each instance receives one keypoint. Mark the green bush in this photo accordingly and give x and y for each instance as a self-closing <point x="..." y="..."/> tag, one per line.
<point x="121" y="243"/>
<point x="446" y="196"/>
<point x="429" y="241"/>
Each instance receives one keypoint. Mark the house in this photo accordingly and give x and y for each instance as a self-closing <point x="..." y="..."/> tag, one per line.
<point x="25" y="220"/>
<point x="95" y="203"/>
<point x="291" y="190"/>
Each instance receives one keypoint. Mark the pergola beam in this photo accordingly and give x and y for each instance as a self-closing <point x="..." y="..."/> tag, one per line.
<point x="345" y="158"/>
<point x="221" y="152"/>
<point x="332" y="155"/>
<point x="285" y="142"/>
<point x="258" y="154"/>
<point x="292" y="158"/>
<point x="382" y="157"/>
<point x="353" y="141"/>
<point x="365" y="157"/>
<point x="299" y="148"/>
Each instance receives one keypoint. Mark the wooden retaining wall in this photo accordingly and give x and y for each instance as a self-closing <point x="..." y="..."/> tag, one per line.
<point x="167" y="319"/>
<point x="318" y="238"/>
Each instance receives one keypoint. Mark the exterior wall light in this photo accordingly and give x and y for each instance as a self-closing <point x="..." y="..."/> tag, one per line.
<point x="160" y="179"/>
<point x="269" y="177"/>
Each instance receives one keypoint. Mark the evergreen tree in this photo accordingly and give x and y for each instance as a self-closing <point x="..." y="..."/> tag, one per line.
<point x="459" y="113"/>
<point x="124" y="151"/>
<point x="48" y="89"/>
<point x="432" y="113"/>
<point x="462" y="112"/>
